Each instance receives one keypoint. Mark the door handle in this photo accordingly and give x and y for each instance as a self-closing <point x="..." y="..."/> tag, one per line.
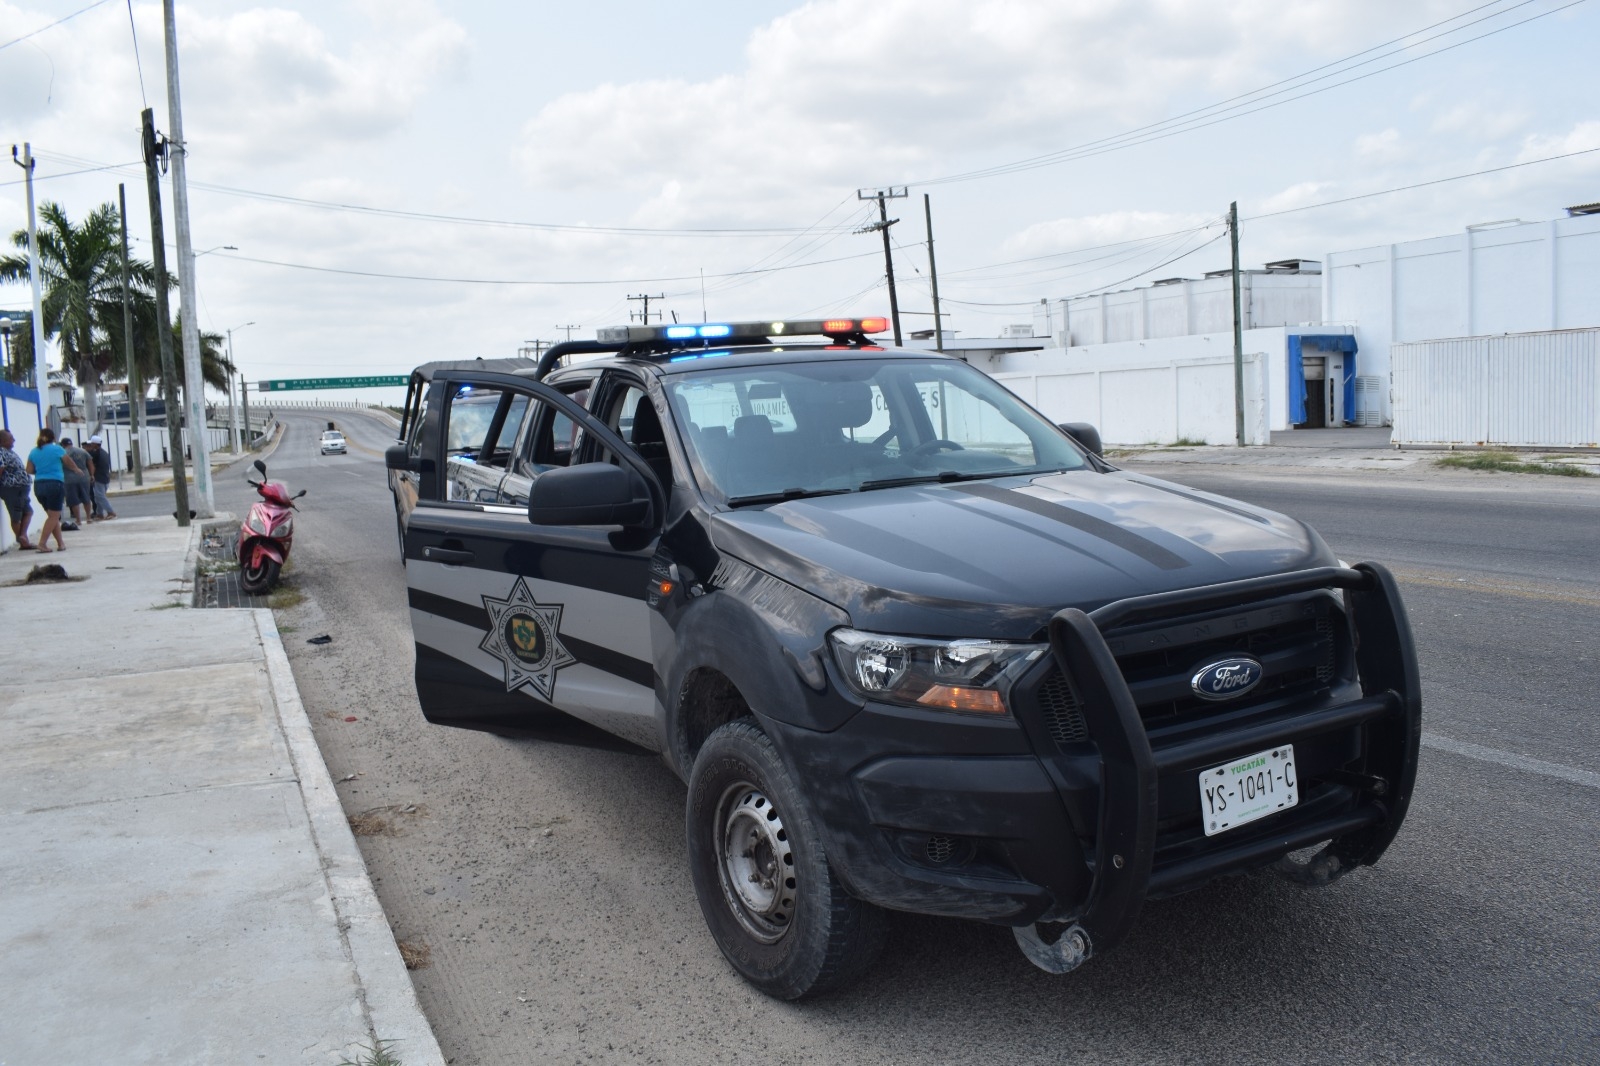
<point x="450" y="556"/>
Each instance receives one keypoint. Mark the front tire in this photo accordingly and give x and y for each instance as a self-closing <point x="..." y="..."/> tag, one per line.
<point x="258" y="579"/>
<point x="775" y="908"/>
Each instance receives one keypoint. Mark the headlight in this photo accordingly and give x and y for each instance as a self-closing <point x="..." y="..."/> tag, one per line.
<point x="974" y="676"/>
<point x="282" y="528"/>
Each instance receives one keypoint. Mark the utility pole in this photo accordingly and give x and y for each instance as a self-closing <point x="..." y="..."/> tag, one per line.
<point x="893" y="192"/>
<point x="194" y="382"/>
<point x="134" y="385"/>
<point x="933" y="273"/>
<point x="644" y="316"/>
<point x="39" y="382"/>
<point x="568" y="330"/>
<point x="169" y="370"/>
<point x="244" y="402"/>
<point x="1238" y="329"/>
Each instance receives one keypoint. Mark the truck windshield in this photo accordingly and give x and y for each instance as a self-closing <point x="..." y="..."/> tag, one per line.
<point x="779" y="431"/>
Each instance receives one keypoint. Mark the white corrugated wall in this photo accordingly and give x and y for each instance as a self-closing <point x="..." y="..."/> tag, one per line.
<point x="1538" y="390"/>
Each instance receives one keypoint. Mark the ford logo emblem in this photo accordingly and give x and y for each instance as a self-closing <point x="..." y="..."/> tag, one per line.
<point x="1226" y="678"/>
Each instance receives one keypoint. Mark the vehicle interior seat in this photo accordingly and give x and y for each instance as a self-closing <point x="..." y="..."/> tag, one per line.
<point x="650" y="441"/>
<point x="753" y="461"/>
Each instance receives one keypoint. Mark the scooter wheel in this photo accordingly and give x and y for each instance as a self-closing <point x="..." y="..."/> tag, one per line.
<point x="258" y="579"/>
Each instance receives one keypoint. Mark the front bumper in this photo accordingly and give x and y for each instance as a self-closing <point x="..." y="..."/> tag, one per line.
<point x="1085" y="832"/>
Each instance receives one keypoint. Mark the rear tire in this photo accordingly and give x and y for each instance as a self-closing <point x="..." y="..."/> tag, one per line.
<point x="776" y="910"/>
<point x="258" y="579"/>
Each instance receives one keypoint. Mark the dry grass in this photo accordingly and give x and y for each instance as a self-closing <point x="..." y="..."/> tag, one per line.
<point x="284" y="597"/>
<point x="414" y="954"/>
<point x="1510" y="463"/>
<point x="378" y="821"/>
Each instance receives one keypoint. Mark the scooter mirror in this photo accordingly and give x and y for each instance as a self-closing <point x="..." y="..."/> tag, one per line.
<point x="261" y="467"/>
<point x="299" y="494"/>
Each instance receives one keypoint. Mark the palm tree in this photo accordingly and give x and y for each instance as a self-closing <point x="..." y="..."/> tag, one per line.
<point x="81" y="275"/>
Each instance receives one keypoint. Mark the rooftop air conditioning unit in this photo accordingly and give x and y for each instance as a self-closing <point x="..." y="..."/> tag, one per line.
<point x="1024" y="329"/>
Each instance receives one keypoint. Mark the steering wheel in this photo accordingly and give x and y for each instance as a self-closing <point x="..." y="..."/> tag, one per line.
<point x="929" y="447"/>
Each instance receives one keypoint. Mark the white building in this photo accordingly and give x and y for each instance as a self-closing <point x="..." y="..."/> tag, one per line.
<point x="1491" y="279"/>
<point x="1285" y="293"/>
<point x="1365" y="337"/>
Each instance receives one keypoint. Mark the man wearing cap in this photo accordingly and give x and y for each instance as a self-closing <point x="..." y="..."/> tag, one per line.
<point x="100" y="464"/>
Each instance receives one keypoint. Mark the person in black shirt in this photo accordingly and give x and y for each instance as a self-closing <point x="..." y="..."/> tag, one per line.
<point x="100" y="461"/>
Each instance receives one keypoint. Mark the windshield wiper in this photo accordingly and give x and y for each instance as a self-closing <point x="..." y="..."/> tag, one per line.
<point x="780" y="497"/>
<point x="946" y="476"/>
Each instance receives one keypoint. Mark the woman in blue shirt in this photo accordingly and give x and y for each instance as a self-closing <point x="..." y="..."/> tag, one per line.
<point x="48" y="463"/>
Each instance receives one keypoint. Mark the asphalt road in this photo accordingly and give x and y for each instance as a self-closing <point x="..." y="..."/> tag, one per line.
<point x="546" y="877"/>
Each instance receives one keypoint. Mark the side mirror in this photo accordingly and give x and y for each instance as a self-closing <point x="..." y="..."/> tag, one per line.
<point x="591" y="494"/>
<point x="299" y="494"/>
<point x="259" y="465"/>
<point x="1084" y="433"/>
<point x="399" y="457"/>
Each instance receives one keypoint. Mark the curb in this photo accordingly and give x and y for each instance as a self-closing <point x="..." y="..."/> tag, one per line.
<point x="387" y="994"/>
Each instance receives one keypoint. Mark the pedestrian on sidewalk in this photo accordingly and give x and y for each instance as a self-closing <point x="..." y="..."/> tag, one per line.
<point x="48" y="463"/>
<point x="100" y="460"/>
<point x="14" y="490"/>
<point x="78" y="493"/>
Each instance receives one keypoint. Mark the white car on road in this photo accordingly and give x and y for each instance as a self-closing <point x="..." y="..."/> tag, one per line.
<point x="333" y="441"/>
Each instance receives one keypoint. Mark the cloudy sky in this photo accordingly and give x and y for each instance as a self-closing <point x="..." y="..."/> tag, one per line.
<point x="407" y="180"/>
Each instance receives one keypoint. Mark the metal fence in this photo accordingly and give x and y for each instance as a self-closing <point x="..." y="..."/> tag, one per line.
<point x="1537" y="390"/>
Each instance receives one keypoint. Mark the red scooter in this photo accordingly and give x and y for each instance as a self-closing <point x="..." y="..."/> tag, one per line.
<point x="267" y="532"/>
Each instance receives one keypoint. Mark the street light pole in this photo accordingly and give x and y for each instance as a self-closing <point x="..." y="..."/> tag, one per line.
<point x="233" y="411"/>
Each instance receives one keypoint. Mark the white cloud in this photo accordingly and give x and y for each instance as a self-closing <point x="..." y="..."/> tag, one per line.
<point x="1481" y="120"/>
<point x="835" y="92"/>
<point x="1067" y="234"/>
<point x="258" y="84"/>
<point x="1583" y="135"/>
<point x="1381" y="147"/>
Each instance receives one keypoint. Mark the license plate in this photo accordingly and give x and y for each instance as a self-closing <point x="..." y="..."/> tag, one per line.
<point x="1241" y="791"/>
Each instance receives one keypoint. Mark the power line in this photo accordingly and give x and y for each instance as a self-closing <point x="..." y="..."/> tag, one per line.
<point x="1422" y="184"/>
<point x="137" y="61"/>
<point x="1220" y="112"/>
<point x="469" y="220"/>
<point x="53" y="25"/>
<point x="1098" y="288"/>
<point x="71" y="173"/>
<point x="526" y="281"/>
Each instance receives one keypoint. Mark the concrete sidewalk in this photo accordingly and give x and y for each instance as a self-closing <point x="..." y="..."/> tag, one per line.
<point x="179" y="883"/>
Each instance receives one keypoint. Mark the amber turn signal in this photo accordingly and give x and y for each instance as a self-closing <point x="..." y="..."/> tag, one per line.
<point x="974" y="700"/>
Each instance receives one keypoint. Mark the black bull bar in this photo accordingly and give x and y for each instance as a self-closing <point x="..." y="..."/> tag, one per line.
<point x="1390" y="705"/>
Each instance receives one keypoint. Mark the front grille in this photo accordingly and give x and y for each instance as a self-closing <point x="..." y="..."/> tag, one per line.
<point x="1296" y="643"/>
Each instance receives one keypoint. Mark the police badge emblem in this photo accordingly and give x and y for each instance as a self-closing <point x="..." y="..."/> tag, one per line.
<point x="526" y="637"/>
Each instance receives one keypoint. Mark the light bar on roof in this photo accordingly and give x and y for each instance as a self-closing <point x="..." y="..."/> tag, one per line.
<point x="742" y="331"/>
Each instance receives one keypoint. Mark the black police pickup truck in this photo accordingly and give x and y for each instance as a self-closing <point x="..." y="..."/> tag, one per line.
<point x="910" y="645"/>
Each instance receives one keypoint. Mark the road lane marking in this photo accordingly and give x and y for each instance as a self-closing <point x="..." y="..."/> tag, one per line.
<point x="1570" y="774"/>
<point x="1516" y="587"/>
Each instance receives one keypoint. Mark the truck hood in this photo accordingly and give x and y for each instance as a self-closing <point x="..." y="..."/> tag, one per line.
<point x="999" y="557"/>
